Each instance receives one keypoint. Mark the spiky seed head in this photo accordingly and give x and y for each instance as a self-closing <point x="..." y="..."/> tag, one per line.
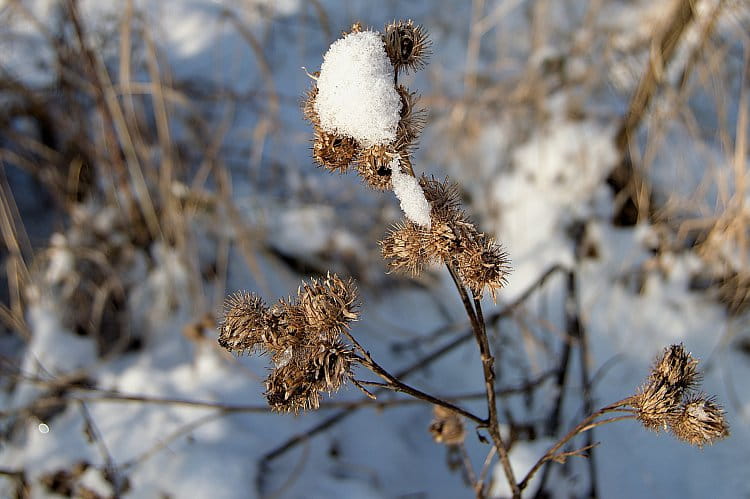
<point x="439" y="242"/>
<point x="412" y="119"/>
<point x="243" y="322"/>
<point x="483" y="264"/>
<point x="447" y="427"/>
<point x="286" y="327"/>
<point x="332" y="151"/>
<point x="444" y="198"/>
<point x="407" y="45"/>
<point x="295" y="384"/>
<point x="308" y="106"/>
<point x="676" y="367"/>
<point x="656" y="404"/>
<point x="701" y="421"/>
<point x="373" y="165"/>
<point x="288" y="391"/>
<point x="328" y="305"/>
<point x="403" y="248"/>
<point x="330" y="366"/>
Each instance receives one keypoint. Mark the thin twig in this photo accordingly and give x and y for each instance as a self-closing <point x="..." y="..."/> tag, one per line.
<point x="584" y="425"/>
<point x="486" y="467"/>
<point x="397" y="385"/>
<point x="113" y="396"/>
<point x="182" y="430"/>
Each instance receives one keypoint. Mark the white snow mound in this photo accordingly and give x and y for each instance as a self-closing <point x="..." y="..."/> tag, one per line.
<point x="356" y="95"/>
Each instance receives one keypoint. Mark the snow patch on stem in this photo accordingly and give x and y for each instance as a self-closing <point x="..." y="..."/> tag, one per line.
<point x="410" y="194"/>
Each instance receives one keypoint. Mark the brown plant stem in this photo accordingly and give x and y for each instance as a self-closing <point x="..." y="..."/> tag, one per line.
<point x="464" y="296"/>
<point x="488" y="367"/>
<point x="585" y="425"/>
<point x="480" y="334"/>
<point x="397" y="385"/>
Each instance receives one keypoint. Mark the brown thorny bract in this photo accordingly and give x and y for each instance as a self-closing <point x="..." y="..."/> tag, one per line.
<point x="304" y="338"/>
<point x="668" y="400"/>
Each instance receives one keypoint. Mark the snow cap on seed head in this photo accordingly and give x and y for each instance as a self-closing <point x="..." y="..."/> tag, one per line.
<point x="356" y="95"/>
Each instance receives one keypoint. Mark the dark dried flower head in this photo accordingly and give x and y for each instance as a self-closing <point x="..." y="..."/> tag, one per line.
<point x="303" y="373"/>
<point x="404" y="249"/>
<point x="412" y="120"/>
<point x="331" y="366"/>
<point x="656" y="404"/>
<point x="308" y="106"/>
<point x="288" y="391"/>
<point x="373" y="165"/>
<point x="483" y="264"/>
<point x="286" y="327"/>
<point x="332" y="151"/>
<point x="407" y="45"/>
<point x="676" y="367"/>
<point x="700" y="422"/>
<point x="440" y="241"/>
<point x="444" y="198"/>
<point x="302" y="336"/>
<point x="243" y="322"/>
<point x="447" y="427"/>
<point x="328" y="305"/>
<point x="672" y="376"/>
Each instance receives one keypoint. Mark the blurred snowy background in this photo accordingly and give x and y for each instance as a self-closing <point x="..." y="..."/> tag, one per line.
<point x="153" y="158"/>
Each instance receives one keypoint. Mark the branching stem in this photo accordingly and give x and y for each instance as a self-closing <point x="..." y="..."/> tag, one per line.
<point x="585" y="425"/>
<point x="393" y="383"/>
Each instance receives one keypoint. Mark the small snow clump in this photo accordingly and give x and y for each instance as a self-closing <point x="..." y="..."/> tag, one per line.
<point x="356" y="95"/>
<point x="410" y="193"/>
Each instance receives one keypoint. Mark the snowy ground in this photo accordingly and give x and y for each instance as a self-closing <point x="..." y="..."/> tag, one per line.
<point x="179" y="417"/>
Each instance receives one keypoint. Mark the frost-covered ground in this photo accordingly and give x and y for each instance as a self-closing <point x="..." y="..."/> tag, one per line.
<point x="175" y="415"/>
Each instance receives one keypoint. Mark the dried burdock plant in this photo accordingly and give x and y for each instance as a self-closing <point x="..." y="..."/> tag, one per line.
<point x="303" y="337"/>
<point x="700" y="422"/>
<point x="362" y="117"/>
<point x="404" y="247"/>
<point x="483" y="265"/>
<point x="374" y="166"/>
<point x="309" y="343"/>
<point x="302" y="373"/>
<point x="413" y="118"/>
<point x="243" y="323"/>
<point x="666" y="401"/>
<point x="308" y="105"/>
<point x="328" y="305"/>
<point x="407" y="44"/>
<point x="673" y="375"/>
<point x="334" y="152"/>
<point x="450" y="238"/>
